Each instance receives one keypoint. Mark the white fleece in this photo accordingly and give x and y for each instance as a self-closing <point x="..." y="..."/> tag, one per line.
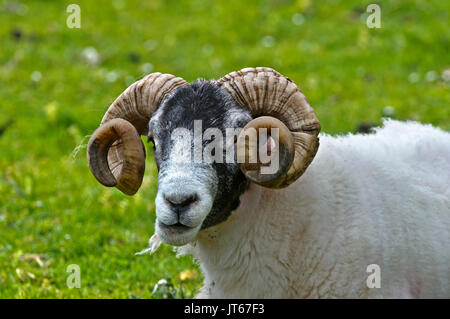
<point x="379" y="199"/>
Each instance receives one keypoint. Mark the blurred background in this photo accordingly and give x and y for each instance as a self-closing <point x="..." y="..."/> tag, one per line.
<point x="56" y="83"/>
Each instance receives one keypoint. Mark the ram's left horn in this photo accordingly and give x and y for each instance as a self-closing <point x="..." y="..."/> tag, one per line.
<point x="265" y="92"/>
<point x="279" y="143"/>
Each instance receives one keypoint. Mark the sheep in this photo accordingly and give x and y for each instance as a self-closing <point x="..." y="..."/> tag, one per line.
<point x="317" y="227"/>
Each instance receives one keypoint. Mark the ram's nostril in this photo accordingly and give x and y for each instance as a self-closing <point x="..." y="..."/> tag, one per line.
<point x="178" y="200"/>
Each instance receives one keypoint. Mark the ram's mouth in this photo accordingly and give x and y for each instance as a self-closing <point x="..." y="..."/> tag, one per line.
<point x="177" y="234"/>
<point x="177" y="228"/>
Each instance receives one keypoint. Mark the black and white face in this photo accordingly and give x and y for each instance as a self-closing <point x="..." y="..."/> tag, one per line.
<point x="198" y="185"/>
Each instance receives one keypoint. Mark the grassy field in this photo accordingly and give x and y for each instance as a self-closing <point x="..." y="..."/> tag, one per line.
<point x="56" y="82"/>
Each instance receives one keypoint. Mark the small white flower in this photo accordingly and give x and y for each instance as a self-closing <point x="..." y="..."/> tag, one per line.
<point x="414" y="77"/>
<point x="91" y="55"/>
<point x="388" y="110"/>
<point x="36" y="76"/>
<point x="298" y="19"/>
<point x="147" y="68"/>
<point x="111" y="76"/>
<point x="162" y="282"/>
<point x="268" y="41"/>
<point x="446" y="75"/>
<point x="431" y="76"/>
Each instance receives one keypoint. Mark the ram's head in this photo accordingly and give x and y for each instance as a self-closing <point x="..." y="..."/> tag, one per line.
<point x="202" y="135"/>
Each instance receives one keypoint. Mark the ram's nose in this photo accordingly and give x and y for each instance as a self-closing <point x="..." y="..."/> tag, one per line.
<point x="179" y="202"/>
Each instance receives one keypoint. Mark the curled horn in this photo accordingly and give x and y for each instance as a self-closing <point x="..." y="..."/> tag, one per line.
<point x="115" y="151"/>
<point x="275" y="101"/>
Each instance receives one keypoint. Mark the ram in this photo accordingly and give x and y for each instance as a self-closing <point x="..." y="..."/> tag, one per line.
<point x="362" y="216"/>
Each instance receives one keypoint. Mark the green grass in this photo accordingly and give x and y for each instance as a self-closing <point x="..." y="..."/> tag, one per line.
<point x="51" y="205"/>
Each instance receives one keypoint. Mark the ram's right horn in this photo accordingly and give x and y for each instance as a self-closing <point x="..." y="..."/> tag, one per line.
<point x="115" y="151"/>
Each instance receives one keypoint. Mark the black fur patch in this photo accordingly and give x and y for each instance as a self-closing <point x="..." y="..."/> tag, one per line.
<point x="203" y="100"/>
